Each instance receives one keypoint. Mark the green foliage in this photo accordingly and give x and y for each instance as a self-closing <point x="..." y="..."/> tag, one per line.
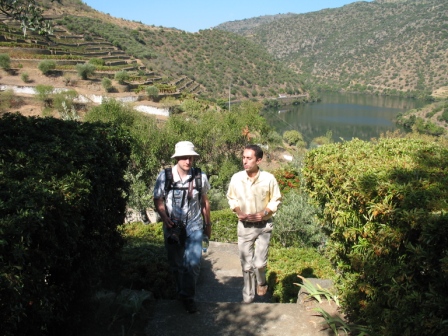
<point x="152" y="92"/>
<point x="46" y="66"/>
<point x="288" y="179"/>
<point x="285" y="264"/>
<point x="106" y="83"/>
<point x="64" y="102"/>
<point x="150" y="150"/>
<point x="5" y="61"/>
<point x="25" y="77"/>
<point x="224" y="226"/>
<point x="44" y="93"/>
<point x="85" y="70"/>
<point x="385" y="206"/>
<point x="61" y="201"/>
<point x="292" y="137"/>
<point x="122" y="76"/>
<point x="6" y="98"/>
<point x="96" y="61"/>
<point x="296" y="222"/>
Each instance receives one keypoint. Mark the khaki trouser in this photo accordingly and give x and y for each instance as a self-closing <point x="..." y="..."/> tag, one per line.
<point x="253" y="245"/>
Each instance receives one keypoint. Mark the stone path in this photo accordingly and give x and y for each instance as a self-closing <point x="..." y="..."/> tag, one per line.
<point x="221" y="312"/>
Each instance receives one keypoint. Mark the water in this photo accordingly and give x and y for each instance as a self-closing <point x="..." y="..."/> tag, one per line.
<point x="347" y="116"/>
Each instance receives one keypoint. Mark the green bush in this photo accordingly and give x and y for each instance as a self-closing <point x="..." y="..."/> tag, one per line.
<point x="5" y="61"/>
<point x="25" y="77"/>
<point x="46" y="66"/>
<point x="385" y="205"/>
<point x="85" y="70"/>
<point x="292" y="137"/>
<point x="44" y="93"/>
<point x="106" y="84"/>
<point x="152" y="92"/>
<point x="96" y="61"/>
<point x="296" y="223"/>
<point x="121" y="76"/>
<point x="61" y="201"/>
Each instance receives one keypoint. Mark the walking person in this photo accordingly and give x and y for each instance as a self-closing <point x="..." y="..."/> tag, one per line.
<point x="254" y="196"/>
<point x="180" y="198"/>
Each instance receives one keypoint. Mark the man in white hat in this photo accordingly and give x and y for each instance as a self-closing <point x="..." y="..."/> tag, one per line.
<point x="180" y="198"/>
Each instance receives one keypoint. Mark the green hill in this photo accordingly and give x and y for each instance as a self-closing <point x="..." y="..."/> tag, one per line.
<point x="380" y="46"/>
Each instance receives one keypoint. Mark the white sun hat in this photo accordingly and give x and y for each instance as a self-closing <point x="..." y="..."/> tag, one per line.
<point x="184" y="148"/>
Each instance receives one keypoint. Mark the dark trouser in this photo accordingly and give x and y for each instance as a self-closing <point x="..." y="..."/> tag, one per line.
<point x="185" y="263"/>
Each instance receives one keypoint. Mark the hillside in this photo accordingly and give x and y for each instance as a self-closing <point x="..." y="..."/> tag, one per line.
<point x="207" y="64"/>
<point x="380" y="46"/>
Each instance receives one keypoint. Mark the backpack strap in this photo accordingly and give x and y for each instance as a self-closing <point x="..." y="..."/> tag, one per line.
<point x="198" y="181"/>
<point x="168" y="180"/>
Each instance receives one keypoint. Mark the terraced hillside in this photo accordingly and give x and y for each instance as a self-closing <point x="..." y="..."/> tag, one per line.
<point x="383" y="46"/>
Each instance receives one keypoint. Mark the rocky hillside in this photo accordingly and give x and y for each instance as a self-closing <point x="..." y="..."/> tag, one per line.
<point x="381" y="46"/>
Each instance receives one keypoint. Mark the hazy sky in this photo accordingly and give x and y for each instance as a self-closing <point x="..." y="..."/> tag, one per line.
<point x="193" y="15"/>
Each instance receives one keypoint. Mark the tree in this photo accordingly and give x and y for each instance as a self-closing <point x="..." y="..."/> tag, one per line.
<point x="28" y="13"/>
<point x="107" y="84"/>
<point x="152" y="92"/>
<point x="46" y="66"/>
<point x="5" y="61"/>
<point x="121" y="76"/>
<point x="85" y="70"/>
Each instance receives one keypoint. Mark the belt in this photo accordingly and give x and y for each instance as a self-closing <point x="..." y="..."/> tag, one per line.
<point x="254" y="224"/>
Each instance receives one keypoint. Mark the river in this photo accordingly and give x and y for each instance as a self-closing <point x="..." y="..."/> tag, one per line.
<point x="346" y="115"/>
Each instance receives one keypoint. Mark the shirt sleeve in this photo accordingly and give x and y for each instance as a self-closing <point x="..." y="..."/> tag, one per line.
<point x="276" y="196"/>
<point x="232" y="197"/>
<point x="159" y="188"/>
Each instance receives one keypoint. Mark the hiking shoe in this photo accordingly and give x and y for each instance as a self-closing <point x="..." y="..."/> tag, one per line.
<point x="262" y="289"/>
<point x="190" y="306"/>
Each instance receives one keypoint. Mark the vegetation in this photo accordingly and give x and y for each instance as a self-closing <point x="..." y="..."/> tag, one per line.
<point x="5" y="61"/>
<point x="359" y="47"/>
<point x="46" y="66"/>
<point x="85" y="70"/>
<point x="61" y="203"/>
<point x="384" y="206"/>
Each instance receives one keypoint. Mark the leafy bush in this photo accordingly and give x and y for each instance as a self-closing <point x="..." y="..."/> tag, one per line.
<point x="61" y="201"/>
<point x="44" y="93"/>
<point x="152" y="92"/>
<point x="121" y="76"/>
<point x="46" y="66"/>
<point x="96" y="61"/>
<point x="5" y="61"/>
<point x="385" y="205"/>
<point x="292" y="137"/>
<point x="85" y="70"/>
<point x="64" y="102"/>
<point x="106" y="84"/>
<point x="285" y="264"/>
<point x="25" y="77"/>
<point x="296" y="222"/>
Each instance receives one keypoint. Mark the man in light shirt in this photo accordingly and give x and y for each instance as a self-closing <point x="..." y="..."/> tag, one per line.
<point x="254" y="196"/>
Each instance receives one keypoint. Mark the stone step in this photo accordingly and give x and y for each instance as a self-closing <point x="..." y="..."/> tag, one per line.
<point x="233" y="319"/>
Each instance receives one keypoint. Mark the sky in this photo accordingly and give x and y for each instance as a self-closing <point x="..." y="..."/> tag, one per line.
<point x="195" y="15"/>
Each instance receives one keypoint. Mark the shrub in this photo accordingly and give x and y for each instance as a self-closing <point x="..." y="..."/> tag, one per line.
<point x="152" y="92"/>
<point x="292" y="137"/>
<point x="46" y="66"/>
<point x="384" y="204"/>
<point x="121" y="76"/>
<point x="96" y="61"/>
<point x="296" y="222"/>
<point x="61" y="196"/>
<point x="107" y="84"/>
<point x="25" y="77"/>
<point x="64" y="103"/>
<point x="44" y="93"/>
<point x="85" y="70"/>
<point x="5" y="61"/>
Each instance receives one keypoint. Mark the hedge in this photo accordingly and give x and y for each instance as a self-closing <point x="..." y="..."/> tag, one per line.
<point x="385" y="204"/>
<point x="61" y="201"/>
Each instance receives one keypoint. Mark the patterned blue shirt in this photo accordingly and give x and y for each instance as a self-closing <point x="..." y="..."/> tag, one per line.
<point x="176" y="201"/>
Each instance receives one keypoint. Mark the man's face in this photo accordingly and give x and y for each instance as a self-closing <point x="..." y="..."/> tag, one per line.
<point x="185" y="162"/>
<point x="250" y="162"/>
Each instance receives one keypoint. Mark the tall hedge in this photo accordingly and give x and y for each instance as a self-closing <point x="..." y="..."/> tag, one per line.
<point x="386" y="204"/>
<point x="61" y="200"/>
